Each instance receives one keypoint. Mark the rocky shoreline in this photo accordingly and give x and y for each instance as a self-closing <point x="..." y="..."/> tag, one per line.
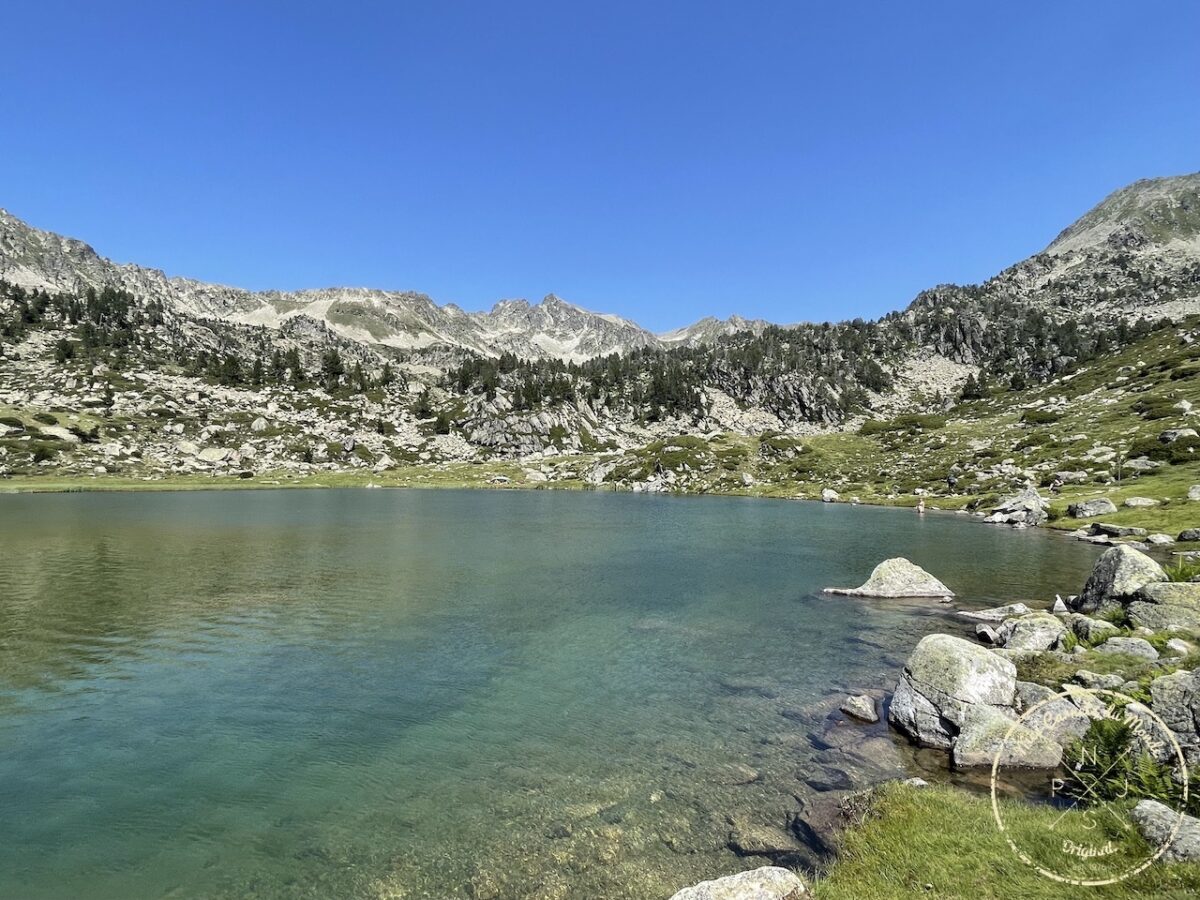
<point x="1019" y="696"/>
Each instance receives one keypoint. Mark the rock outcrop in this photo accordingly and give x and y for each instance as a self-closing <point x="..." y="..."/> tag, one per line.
<point x="944" y="677"/>
<point x="897" y="578"/>
<point x="1117" y="576"/>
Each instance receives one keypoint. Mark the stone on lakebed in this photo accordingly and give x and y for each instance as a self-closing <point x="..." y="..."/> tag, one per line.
<point x="897" y="578"/>
<point x="766" y="883"/>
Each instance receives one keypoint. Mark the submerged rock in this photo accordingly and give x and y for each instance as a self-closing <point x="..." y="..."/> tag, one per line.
<point x="897" y="578"/>
<point x="860" y="707"/>
<point x="942" y="679"/>
<point x="1118" y="574"/>
<point x="996" y="613"/>
<point x="767" y="883"/>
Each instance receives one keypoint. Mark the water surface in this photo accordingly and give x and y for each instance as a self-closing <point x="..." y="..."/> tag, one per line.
<point x="413" y="694"/>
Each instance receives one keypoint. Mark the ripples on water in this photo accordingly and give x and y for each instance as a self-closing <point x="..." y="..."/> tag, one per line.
<point x="442" y="694"/>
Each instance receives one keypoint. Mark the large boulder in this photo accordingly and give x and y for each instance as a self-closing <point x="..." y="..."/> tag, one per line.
<point x="1119" y="573"/>
<point x="1171" y="435"/>
<point x="1175" y="699"/>
<point x="943" y="678"/>
<point x="1158" y="824"/>
<point x="767" y="883"/>
<point x="1050" y="714"/>
<point x="897" y="578"/>
<point x="1130" y="646"/>
<point x="1035" y="631"/>
<point x="988" y="732"/>
<point x="1163" y="606"/>
<point x="1026" y="508"/>
<point x="1086" y="509"/>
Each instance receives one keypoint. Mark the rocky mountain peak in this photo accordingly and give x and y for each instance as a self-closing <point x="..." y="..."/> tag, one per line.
<point x="1152" y="211"/>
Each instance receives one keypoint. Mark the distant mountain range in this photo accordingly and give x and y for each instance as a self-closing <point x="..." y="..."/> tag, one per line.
<point x="1156" y="218"/>
<point x="405" y="320"/>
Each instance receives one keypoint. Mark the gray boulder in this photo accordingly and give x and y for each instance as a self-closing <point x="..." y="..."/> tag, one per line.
<point x="1085" y="509"/>
<point x="829" y="495"/>
<point x="1164" y="606"/>
<point x="1194" y="492"/>
<point x="1035" y="631"/>
<point x="988" y="732"/>
<point x="897" y="578"/>
<point x="1158" y="824"/>
<point x="860" y="707"/>
<point x="1139" y="502"/>
<point x="766" y="883"/>
<point x="1051" y="714"/>
<point x="943" y="678"/>
<point x="1176" y="700"/>
<point x="1159" y="538"/>
<point x="1108" y="530"/>
<point x="1171" y="435"/>
<point x="1130" y="646"/>
<point x="1118" y="574"/>
<point x="1026" y="508"/>
<point x="1189" y="534"/>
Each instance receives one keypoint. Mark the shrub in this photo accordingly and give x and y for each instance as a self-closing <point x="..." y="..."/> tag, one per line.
<point x="1040" y="417"/>
<point x="911" y="423"/>
<point x="45" y="418"/>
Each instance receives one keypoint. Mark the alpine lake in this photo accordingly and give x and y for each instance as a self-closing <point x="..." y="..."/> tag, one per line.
<point x="448" y="694"/>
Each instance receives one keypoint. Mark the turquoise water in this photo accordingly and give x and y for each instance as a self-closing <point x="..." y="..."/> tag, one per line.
<point x="411" y="694"/>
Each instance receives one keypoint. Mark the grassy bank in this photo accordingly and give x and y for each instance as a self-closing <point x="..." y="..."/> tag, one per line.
<point x="943" y="842"/>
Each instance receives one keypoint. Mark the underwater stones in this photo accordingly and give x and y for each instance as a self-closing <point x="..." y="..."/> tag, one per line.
<point x="754" y="687"/>
<point x="860" y="707"/>
<point x="1086" y="509"/>
<point x="1118" y="574"/>
<point x="766" y="883"/>
<point x="897" y="577"/>
<point x="942" y="679"/>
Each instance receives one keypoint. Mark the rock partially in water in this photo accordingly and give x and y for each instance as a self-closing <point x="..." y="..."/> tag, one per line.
<point x="988" y="732"/>
<point x="860" y="707"/>
<point x="996" y="613"/>
<point x="897" y="577"/>
<point x="1117" y="576"/>
<point x="1158" y="823"/>
<point x="943" y="678"/>
<point x="1026" y="508"/>
<point x="767" y="883"/>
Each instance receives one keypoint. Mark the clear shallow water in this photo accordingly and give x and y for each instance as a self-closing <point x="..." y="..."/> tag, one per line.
<point x="443" y="694"/>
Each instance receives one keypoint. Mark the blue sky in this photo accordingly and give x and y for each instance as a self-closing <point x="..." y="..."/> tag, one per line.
<point x="663" y="161"/>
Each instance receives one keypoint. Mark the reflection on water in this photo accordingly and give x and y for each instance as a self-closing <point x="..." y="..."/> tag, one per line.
<point x="444" y="694"/>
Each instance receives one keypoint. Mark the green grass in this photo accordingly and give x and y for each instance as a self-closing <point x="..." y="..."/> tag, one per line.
<point x="943" y="842"/>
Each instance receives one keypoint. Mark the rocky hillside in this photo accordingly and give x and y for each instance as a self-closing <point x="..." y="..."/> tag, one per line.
<point x="159" y="377"/>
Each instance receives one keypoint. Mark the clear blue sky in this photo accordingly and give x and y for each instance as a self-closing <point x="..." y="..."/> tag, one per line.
<point x="663" y="161"/>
